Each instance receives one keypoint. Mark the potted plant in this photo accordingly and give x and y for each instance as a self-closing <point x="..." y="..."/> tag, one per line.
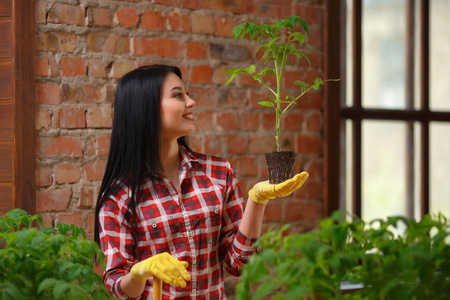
<point x="280" y="41"/>
<point x="47" y="263"/>
<point x="394" y="258"/>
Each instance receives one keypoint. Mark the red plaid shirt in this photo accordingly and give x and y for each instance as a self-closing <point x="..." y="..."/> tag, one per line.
<point x="197" y="224"/>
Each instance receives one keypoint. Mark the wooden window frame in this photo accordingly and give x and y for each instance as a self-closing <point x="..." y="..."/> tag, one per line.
<point x="23" y="105"/>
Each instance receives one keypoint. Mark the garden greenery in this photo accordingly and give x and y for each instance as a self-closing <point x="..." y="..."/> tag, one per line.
<point x="279" y="41"/>
<point x="412" y="265"/>
<point x="47" y="263"/>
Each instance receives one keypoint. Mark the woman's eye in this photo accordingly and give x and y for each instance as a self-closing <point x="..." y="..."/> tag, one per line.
<point x="177" y="95"/>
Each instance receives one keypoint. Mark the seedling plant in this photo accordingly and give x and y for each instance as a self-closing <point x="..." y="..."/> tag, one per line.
<point x="279" y="42"/>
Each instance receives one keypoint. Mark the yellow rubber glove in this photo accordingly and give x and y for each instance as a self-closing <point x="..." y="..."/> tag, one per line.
<point x="164" y="266"/>
<point x="263" y="191"/>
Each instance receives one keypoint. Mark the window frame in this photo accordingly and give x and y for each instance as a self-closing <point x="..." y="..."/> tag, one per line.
<point x="336" y="112"/>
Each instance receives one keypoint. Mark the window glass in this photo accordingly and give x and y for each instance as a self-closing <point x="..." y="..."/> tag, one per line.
<point x="383" y="57"/>
<point x="383" y="169"/>
<point x="440" y="168"/>
<point x="439" y="55"/>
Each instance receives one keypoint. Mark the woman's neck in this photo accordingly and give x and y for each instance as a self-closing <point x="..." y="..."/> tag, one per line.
<point x="170" y="158"/>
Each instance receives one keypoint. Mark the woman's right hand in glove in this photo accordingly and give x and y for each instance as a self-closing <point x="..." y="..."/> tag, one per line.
<point x="165" y="267"/>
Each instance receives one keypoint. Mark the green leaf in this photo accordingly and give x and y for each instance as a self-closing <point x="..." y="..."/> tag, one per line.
<point x="266" y="103"/>
<point x="299" y="37"/>
<point x="237" y="30"/>
<point x="264" y="289"/>
<point x="46" y="284"/>
<point x="60" y="289"/>
<point x="317" y="83"/>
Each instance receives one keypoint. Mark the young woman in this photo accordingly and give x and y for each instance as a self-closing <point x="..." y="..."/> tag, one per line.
<point x="164" y="210"/>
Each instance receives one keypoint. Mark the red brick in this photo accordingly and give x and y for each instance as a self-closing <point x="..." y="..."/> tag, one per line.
<point x="153" y="20"/>
<point x="314" y="121"/>
<point x="67" y="173"/>
<point x="127" y="17"/>
<point x="203" y="119"/>
<point x="90" y="146"/>
<point x="227" y="120"/>
<point x="41" y="12"/>
<point x="268" y="120"/>
<point x="248" y="166"/>
<point x="213" y="144"/>
<point x="121" y="67"/>
<point x="52" y="200"/>
<point x="103" y="144"/>
<point x="55" y="41"/>
<point x="256" y="97"/>
<point x="90" y="232"/>
<point x="47" y="93"/>
<point x="203" y="24"/>
<point x="95" y="170"/>
<point x="314" y="169"/>
<point x="232" y="98"/>
<point x="66" y="14"/>
<point x="205" y="98"/>
<point x="43" y="120"/>
<point x="225" y="26"/>
<point x="307" y="144"/>
<point x="101" y="17"/>
<point x="86" y="197"/>
<point x="44" y="176"/>
<point x="41" y="66"/>
<point x="99" y="116"/>
<point x="311" y="100"/>
<point x="294" y="211"/>
<point x="250" y="121"/>
<point x="72" y="117"/>
<point x="54" y="69"/>
<point x="196" y="50"/>
<point x="292" y="121"/>
<point x="191" y="4"/>
<point x="66" y="146"/>
<point x="201" y="74"/>
<point x="262" y="144"/>
<point x="97" y="68"/>
<point x="158" y="46"/>
<point x="106" y="42"/>
<point x="276" y="9"/>
<point x="179" y="22"/>
<point x="237" y="144"/>
<point x="81" y="93"/>
<point x="311" y="189"/>
<point x="69" y="218"/>
<point x="313" y="15"/>
<point x="246" y="80"/>
<point x="218" y="76"/>
<point x="73" y="66"/>
<point x="235" y="6"/>
<point x="273" y="212"/>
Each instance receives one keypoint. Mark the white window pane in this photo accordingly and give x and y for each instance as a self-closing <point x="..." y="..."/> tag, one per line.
<point x="383" y="169"/>
<point x="440" y="168"/>
<point x="440" y="55"/>
<point x="383" y="53"/>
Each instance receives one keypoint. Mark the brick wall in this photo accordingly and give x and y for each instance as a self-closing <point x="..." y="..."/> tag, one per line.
<point x="84" y="46"/>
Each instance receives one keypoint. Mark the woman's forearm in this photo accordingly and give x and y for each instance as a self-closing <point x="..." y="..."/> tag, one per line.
<point x="251" y="222"/>
<point x="131" y="287"/>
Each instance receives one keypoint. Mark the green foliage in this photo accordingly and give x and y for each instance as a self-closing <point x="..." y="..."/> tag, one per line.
<point x="279" y="42"/>
<point x="389" y="265"/>
<point x="47" y="263"/>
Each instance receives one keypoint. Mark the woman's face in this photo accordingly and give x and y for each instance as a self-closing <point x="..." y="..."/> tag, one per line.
<point x="176" y="109"/>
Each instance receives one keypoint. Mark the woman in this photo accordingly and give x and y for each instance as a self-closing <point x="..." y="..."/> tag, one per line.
<point x="164" y="210"/>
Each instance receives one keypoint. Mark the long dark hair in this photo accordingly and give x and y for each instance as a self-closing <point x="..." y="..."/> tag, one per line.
<point x="135" y="138"/>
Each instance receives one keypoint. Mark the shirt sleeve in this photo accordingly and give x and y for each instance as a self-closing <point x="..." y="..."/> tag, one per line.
<point x="236" y="248"/>
<point x="116" y="241"/>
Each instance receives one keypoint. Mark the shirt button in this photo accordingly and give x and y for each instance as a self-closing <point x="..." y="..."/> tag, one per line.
<point x="154" y="225"/>
<point x="182" y="207"/>
<point x="189" y="233"/>
<point x="194" y="291"/>
<point x="194" y="262"/>
<point x="216" y="211"/>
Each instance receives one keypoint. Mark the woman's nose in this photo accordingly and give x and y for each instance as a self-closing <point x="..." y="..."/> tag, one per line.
<point x="190" y="102"/>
